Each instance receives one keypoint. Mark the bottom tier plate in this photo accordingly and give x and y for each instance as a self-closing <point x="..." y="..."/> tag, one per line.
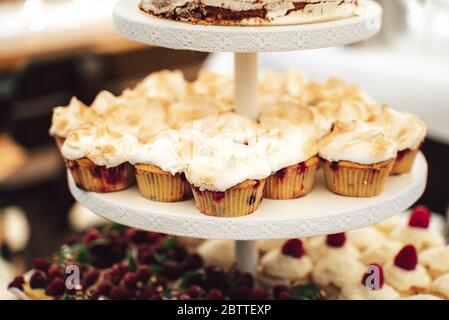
<point x="320" y="212"/>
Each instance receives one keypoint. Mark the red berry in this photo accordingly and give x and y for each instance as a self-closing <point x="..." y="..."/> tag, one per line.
<point x="336" y="240"/>
<point x="144" y="293"/>
<point x="17" y="283"/>
<point x="293" y="248"/>
<point x="215" y="294"/>
<point x="278" y="289"/>
<point x="92" y="235"/>
<point x="420" y="218"/>
<point x="119" y="293"/>
<point x="104" y="288"/>
<point x="143" y="273"/>
<point x="259" y="294"/>
<point x="130" y="281"/>
<point x="184" y="296"/>
<point x="194" y="291"/>
<point x="407" y="258"/>
<point x="55" y="272"/>
<point x="38" y="280"/>
<point x="55" y="288"/>
<point x="284" y="295"/>
<point x="41" y="264"/>
<point x="379" y="272"/>
<point x="116" y="273"/>
<point x="90" y="277"/>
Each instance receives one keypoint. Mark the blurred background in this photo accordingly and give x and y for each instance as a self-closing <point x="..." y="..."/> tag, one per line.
<point x="51" y="50"/>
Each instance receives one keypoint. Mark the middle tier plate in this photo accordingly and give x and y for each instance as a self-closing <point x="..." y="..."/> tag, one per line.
<point x="320" y="212"/>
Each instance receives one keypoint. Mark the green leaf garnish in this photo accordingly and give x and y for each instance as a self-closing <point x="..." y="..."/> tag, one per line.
<point x="132" y="264"/>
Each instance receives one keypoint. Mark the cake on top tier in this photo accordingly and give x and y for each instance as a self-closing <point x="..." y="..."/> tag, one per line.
<point x="251" y="12"/>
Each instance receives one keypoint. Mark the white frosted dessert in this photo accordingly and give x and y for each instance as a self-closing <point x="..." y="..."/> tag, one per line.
<point x="422" y="296"/>
<point x="167" y="86"/>
<point x="365" y="237"/>
<point x="436" y="260"/>
<point x="380" y="252"/>
<point x="220" y="253"/>
<point x="285" y="266"/>
<point x="251" y="12"/>
<point x="321" y="247"/>
<point x="357" y="142"/>
<point x="440" y="286"/>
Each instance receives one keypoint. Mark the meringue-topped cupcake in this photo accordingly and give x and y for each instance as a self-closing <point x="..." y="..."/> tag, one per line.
<point x="417" y="231"/>
<point x="389" y="224"/>
<point x="440" y="286"/>
<point x="365" y="237"/>
<point x="436" y="260"/>
<point x="67" y="118"/>
<point x="382" y="251"/>
<point x="227" y="177"/>
<point x="159" y="166"/>
<point x="357" y="159"/>
<point x="405" y="274"/>
<point x="322" y="247"/>
<point x="288" y="265"/>
<point x="214" y="84"/>
<point x="220" y="253"/>
<point x="371" y="287"/>
<point x="97" y="157"/>
<point x="292" y="157"/>
<point x="407" y="130"/>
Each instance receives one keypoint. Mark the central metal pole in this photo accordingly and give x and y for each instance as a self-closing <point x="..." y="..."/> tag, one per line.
<point x="247" y="256"/>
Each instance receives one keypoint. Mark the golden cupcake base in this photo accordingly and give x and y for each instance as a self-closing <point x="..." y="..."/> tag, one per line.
<point x="404" y="162"/>
<point x="158" y="185"/>
<point x="237" y="201"/>
<point x="91" y="177"/>
<point x="292" y="182"/>
<point x="356" y="180"/>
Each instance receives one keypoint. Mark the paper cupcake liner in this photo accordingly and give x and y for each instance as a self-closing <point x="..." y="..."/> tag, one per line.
<point x="238" y="201"/>
<point x="163" y="187"/>
<point x="59" y="142"/>
<point x="101" y="179"/>
<point x="404" y="162"/>
<point x="355" y="180"/>
<point x="293" y="181"/>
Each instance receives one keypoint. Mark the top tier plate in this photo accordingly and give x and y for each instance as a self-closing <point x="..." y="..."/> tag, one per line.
<point x="136" y="25"/>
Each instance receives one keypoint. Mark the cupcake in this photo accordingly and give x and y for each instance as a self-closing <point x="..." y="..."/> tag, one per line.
<point x="436" y="260"/>
<point x="265" y="246"/>
<point x="333" y="244"/>
<point x="440" y="286"/>
<point x="389" y="224"/>
<point x="287" y="266"/>
<point x="407" y="130"/>
<point x="405" y="274"/>
<point x="371" y="287"/>
<point x="159" y="168"/>
<point x="67" y="118"/>
<point x="227" y="177"/>
<point x="293" y="161"/>
<point x="335" y="271"/>
<point x="220" y="253"/>
<point x="365" y="237"/>
<point x="356" y="159"/>
<point x="97" y="158"/>
<point x="417" y="231"/>
<point x="381" y="252"/>
<point x="421" y="296"/>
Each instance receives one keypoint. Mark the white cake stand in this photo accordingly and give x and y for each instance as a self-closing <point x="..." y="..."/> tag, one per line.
<point x="320" y="212"/>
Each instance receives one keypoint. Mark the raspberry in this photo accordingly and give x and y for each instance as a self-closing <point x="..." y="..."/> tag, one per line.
<point x="293" y="248"/>
<point x="194" y="292"/>
<point x="336" y="240"/>
<point x="215" y="294"/>
<point x="259" y="294"/>
<point x="380" y="274"/>
<point x="284" y="295"/>
<point x="90" y="277"/>
<point x="119" y="293"/>
<point x="41" y="264"/>
<point x="184" y="296"/>
<point x="38" y="280"/>
<point x="104" y="288"/>
<point x="143" y="273"/>
<point x="420" y="218"/>
<point x="17" y="283"/>
<point x="407" y="258"/>
<point x="91" y="235"/>
<point x="278" y="289"/>
<point x="130" y="281"/>
<point x="55" y="272"/>
<point x="55" y="288"/>
<point x="116" y="273"/>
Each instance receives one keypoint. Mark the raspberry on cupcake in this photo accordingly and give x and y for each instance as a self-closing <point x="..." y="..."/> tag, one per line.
<point x="405" y="274"/>
<point x="285" y="266"/>
<point x="417" y="231"/>
<point x="371" y="287"/>
<point x="357" y="159"/>
<point x="333" y="244"/>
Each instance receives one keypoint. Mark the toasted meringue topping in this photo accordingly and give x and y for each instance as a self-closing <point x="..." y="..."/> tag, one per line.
<point x="357" y="142"/>
<point x="405" y="128"/>
<point x="276" y="264"/>
<point x="167" y="86"/>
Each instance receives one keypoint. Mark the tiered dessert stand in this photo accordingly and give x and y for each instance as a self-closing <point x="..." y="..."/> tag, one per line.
<point x="320" y="212"/>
